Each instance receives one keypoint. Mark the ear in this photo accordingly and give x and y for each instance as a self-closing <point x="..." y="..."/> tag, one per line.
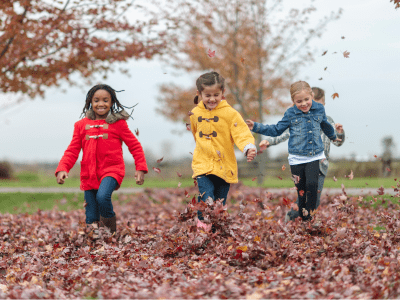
<point x="198" y="94"/>
<point x="312" y="95"/>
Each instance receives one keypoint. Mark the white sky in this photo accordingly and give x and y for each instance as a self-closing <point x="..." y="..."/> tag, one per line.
<point x="367" y="84"/>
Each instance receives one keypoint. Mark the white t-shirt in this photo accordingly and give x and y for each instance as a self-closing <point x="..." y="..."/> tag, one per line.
<point x="300" y="159"/>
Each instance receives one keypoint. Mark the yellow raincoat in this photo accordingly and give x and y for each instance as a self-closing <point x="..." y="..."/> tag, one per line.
<point x="215" y="133"/>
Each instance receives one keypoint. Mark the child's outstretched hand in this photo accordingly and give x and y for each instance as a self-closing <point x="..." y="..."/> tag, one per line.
<point x="251" y="154"/>
<point x="61" y="176"/>
<point x="250" y="123"/>
<point x="339" y="128"/>
<point x="263" y="145"/>
<point x="139" y="176"/>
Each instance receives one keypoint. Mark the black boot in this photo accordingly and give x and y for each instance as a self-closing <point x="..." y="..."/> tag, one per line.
<point x="110" y="223"/>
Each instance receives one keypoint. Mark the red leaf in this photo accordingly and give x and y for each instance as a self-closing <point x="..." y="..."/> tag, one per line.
<point x="286" y="202"/>
<point x="211" y="53"/>
<point x="279" y="177"/>
<point x="137" y="132"/>
<point x="283" y="168"/>
<point x="343" y="37"/>
<point x="188" y="127"/>
<point x="334" y="179"/>
<point x="296" y="179"/>
<point x="381" y="191"/>
<point x="324" y="53"/>
<point x="157" y="170"/>
<point x="160" y="160"/>
<point x="388" y="169"/>
<point x="346" y="54"/>
<point x="254" y="179"/>
<point x="186" y="194"/>
<point x="335" y="95"/>
<point x="195" y="182"/>
<point x="301" y="193"/>
<point x="194" y="200"/>
<point x="179" y="174"/>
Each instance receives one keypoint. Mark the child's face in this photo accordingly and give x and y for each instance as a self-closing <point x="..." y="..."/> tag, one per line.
<point x="303" y="101"/>
<point x="211" y="96"/>
<point x="101" y="104"/>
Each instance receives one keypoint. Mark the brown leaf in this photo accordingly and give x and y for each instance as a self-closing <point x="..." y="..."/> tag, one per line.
<point x="190" y="113"/>
<point x="346" y="54"/>
<point x="137" y="131"/>
<point x="335" y="95"/>
<point x="324" y="53"/>
<point x="157" y="170"/>
<point x="179" y="174"/>
<point x="160" y="160"/>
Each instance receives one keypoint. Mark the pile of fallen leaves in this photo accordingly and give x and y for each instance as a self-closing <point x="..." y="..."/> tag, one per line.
<point x="160" y="253"/>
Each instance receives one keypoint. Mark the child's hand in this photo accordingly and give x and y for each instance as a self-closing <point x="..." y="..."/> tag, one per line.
<point x="251" y="154"/>
<point x="263" y="145"/>
<point x="250" y="123"/>
<point x="337" y="140"/>
<point x="61" y="176"/>
<point x="339" y="128"/>
<point x="139" y="176"/>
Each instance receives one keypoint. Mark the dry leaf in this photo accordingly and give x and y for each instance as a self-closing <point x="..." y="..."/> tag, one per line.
<point x="211" y="53"/>
<point x="160" y="160"/>
<point x="335" y="95"/>
<point x="346" y="54"/>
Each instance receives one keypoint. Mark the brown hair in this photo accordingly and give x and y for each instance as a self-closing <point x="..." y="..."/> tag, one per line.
<point x="208" y="79"/>
<point x="299" y="86"/>
<point x="318" y="93"/>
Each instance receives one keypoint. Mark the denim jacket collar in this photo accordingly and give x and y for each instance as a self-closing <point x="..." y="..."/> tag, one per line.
<point x="298" y="111"/>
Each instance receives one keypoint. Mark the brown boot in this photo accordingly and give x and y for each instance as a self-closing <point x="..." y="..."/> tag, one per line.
<point x="110" y="223"/>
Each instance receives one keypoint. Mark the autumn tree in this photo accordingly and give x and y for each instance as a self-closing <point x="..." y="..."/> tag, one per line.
<point x="44" y="42"/>
<point x="396" y="3"/>
<point x="259" y="49"/>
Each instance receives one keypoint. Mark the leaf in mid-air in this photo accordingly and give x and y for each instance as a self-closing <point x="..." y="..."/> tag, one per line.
<point x="346" y="54"/>
<point x="211" y="53"/>
<point x="335" y="95"/>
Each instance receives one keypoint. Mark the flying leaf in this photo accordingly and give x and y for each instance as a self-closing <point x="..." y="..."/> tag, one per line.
<point x="305" y="212"/>
<point x="346" y="54"/>
<point x="254" y="179"/>
<point x="157" y="170"/>
<point x="194" y="200"/>
<point x="279" y="177"/>
<point x="283" y="168"/>
<point x="137" y="132"/>
<point x="160" y="160"/>
<point x="286" y="202"/>
<point x="324" y="53"/>
<point x="190" y="113"/>
<point x="320" y="78"/>
<point x="296" y="179"/>
<point x="179" y="184"/>
<point x="242" y="60"/>
<point x="381" y="191"/>
<point x="334" y="179"/>
<point x="351" y="176"/>
<point x="186" y="194"/>
<point x="325" y="68"/>
<point x="335" y="95"/>
<point x="301" y="193"/>
<point x="179" y="174"/>
<point x="343" y="37"/>
<point x="211" y="53"/>
<point x="188" y="128"/>
<point x="388" y="169"/>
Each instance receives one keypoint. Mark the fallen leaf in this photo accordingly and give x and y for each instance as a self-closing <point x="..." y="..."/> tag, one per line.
<point x="242" y="60"/>
<point x="211" y="53"/>
<point x="335" y="95"/>
<point x="305" y="212"/>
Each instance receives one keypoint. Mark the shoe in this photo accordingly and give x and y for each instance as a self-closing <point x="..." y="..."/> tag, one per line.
<point x="110" y="223"/>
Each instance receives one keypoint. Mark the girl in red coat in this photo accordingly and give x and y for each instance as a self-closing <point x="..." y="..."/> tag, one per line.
<point x="100" y="135"/>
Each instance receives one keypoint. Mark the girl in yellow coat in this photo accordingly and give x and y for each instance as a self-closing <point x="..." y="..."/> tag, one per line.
<point x="216" y="127"/>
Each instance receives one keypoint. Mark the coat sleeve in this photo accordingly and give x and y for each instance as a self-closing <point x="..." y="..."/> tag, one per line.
<point x="193" y="126"/>
<point x="134" y="146"/>
<point x="72" y="153"/>
<point x="339" y="135"/>
<point x="272" y="130"/>
<point x="240" y="132"/>
<point x="279" y="139"/>
<point x="327" y="128"/>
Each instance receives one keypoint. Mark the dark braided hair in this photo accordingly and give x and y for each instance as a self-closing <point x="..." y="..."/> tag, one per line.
<point x="208" y="79"/>
<point x="318" y="93"/>
<point x="116" y="106"/>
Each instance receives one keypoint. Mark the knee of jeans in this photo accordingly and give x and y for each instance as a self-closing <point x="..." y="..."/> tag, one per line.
<point x="103" y="198"/>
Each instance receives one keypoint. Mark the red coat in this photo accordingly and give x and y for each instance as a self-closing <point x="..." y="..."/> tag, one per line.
<point x="102" y="151"/>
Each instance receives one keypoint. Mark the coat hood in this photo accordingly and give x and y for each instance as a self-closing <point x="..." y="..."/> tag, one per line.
<point x="112" y="116"/>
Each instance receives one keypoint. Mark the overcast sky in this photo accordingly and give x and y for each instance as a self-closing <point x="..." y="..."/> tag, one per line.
<point x="367" y="83"/>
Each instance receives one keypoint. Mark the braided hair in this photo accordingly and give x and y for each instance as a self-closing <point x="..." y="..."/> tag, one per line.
<point x="116" y="106"/>
<point x="208" y="79"/>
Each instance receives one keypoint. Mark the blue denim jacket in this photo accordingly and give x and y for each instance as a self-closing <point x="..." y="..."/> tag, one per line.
<point x="304" y="128"/>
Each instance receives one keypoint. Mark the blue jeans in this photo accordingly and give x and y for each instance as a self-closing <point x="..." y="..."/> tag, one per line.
<point x="321" y="179"/>
<point x="99" y="201"/>
<point x="211" y="186"/>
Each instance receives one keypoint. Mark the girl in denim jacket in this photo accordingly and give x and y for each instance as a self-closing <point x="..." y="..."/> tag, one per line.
<point x="304" y="119"/>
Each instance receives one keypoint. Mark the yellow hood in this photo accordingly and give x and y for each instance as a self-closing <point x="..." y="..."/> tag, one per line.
<point x="215" y="133"/>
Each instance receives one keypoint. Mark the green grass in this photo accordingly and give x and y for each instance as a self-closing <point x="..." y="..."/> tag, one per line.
<point x="30" y="203"/>
<point x="26" y="179"/>
<point x="275" y="182"/>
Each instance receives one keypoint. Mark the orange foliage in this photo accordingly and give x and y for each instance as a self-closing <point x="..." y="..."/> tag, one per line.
<point x="44" y="42"/>
<point x="396" y="3"/>
<point x="258" y="55"/>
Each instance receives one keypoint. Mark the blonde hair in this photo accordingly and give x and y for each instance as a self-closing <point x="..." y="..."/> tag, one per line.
<point x="299" y="86"/>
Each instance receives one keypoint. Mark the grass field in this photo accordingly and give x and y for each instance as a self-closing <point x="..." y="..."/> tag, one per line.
<point x="35" y="180"/>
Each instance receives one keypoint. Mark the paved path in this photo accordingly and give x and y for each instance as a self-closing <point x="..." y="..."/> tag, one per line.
<point x="349" y="191"/>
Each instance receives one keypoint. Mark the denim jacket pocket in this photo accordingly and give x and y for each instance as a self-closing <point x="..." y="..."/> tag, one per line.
<point x="317" y="123"/>
<point x="296" y="125"/>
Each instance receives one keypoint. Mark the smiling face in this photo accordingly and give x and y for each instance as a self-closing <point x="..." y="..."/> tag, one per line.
<point x="303" y="100"/>
<point x="211" y="96"/>
<point x="101" y="104"/>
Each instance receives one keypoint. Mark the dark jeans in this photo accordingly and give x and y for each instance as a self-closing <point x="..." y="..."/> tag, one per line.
<point x="211" y="186"/>
<point x="307" y="188"/>
<point x="99" y="201"/>
<point x="293" y="214"/>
